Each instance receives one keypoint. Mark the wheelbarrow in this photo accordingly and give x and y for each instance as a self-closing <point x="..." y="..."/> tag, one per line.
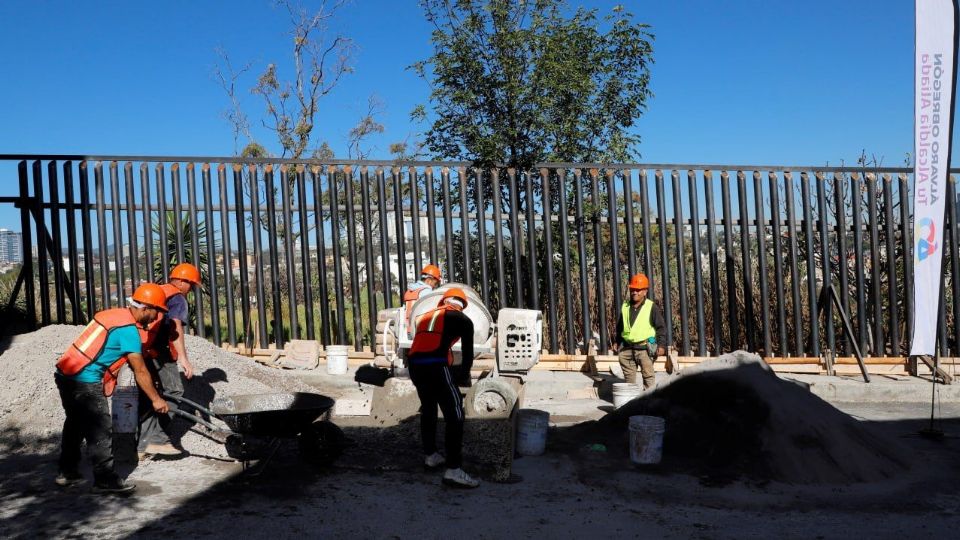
<point x="257" y="424"/>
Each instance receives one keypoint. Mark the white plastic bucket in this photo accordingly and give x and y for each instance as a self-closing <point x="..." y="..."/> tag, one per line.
<point x="337" y="359"/>
<point x="646" y="439"/>
<point x="624" y="392"/>
<point x="124" y="409"/>
<point x="532" y="427"/>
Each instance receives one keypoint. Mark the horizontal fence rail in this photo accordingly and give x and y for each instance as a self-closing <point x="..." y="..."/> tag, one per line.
<point x="738" y="256"/>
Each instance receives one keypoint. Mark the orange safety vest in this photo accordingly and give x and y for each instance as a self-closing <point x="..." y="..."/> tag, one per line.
<point x="90" y="343"/>
<point x="151" y="347"/>
<point x="426" y="341"/>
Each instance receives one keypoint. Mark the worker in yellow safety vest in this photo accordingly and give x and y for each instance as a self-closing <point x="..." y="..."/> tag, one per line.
<point x="641" y="333"/>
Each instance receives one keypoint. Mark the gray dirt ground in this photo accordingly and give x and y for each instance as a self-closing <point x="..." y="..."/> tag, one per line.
<point x="562" y="494"/>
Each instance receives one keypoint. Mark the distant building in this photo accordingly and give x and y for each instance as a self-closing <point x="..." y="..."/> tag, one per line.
<point x="11" y="247"/>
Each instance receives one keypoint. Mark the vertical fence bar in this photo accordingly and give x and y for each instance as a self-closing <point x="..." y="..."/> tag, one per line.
<point x="305" y="266"/>
<point x="163" y="218"/>
<point x="332" y="178"/>
<point x="318" y="219"/>
<point x="26" y="239"/>
<point x="41" y="228"/>
<point x="842" y="260"/>
<point x="794" y="264"/>
<point x="811" y="264"/>
<point x="286" y="200"/>
<point x="148" y="273"/>
<point x="678" y="226"/>
<point x="181" y="249"/>
<point x="598" y="260"/>
<point x="56" y="258"/>
<point x="214" y="286"/>
<point x="733" y="309"/>
<point x="778" y="263"/>
<point x="879" y="343"/>
<point x="516" y="243"/>
<point x="743" y="215"/>
<point x="368" y="256"/>
<point x="242" y="253"/>
<point x="498" y="240"/>
<point x="697" y="267"/>
<point x="255" y="229"/>
<point x="856" y="191"/>
<point x="629" y="228"/>
<point x="354" y="256"/>
<point x="102" y="257"/>
<point x="447" y="221"/>
<point x="715" y="307"/>
<point x="72" y="251"/>
<point x="616" y="263"/>
<point x="401" y="242"/>
<point x="548" y="260"/>
<point x="269" y="193"/>
<point x="384" y="237"/>
<point x="582" y="263"/>
<point x="762" y="260"/>
<point x="907" y="254"/>
<point x="564" y="223"/>
<point x="891" y="263"/>
<point x="431" y="215"/>
<point x="662" y="228"/>
<point x="827" y="271"/>
<point x="201" y="329"/>
<point x="227" y="254"/>
<point x="533" y="279"/>
<point x="645" y="214"/>
<point x="482" y="234"/>
<point x="131" y="211"/>
<point x="89" y="278"/>
<point x="117" y="231"/>
<point x="415" y="218"/>
<point x="465" y="227"/>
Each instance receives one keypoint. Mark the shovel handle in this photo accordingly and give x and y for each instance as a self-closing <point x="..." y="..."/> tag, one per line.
<point x="199" y="420"/>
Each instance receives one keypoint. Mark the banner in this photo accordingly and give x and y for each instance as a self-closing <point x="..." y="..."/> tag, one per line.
<point x="934" y="80"/>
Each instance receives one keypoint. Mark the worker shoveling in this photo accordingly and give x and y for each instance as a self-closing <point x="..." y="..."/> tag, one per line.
<point x="733" y="416"/>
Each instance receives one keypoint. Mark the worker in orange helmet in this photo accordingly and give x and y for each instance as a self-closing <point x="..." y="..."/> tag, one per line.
<point x="429" y="280"/>
<point x="430" y="361"/>
<point x="163" y="349"/>
<point x="87" y="373"/>
<point x="641" y="333"/>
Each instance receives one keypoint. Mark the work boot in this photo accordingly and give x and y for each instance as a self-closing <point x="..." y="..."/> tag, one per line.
<point x="434" y="460"/>
<point x="68" y="479"/>
<point x="165" y="449"/>
<point x="113" y="486"/>
<point x="459" y="478"/>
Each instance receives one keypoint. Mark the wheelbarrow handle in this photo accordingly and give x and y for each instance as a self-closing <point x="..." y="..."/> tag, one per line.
<point x="199" y="420"/>
<point x="182" y="400"/>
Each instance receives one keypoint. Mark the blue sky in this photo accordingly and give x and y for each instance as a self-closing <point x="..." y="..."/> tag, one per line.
<point x="748" y="82"/>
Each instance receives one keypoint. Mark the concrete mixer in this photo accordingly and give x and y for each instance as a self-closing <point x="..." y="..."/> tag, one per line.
<point x="514" y="340"/>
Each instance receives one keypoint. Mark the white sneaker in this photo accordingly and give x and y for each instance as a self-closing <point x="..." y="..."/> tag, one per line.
<point x="434" y="460"/>
<point x="459" y="478"/>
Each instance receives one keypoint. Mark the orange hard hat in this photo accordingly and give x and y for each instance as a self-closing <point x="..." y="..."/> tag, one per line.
<point x="186" y="272"/>
<point x="150" y="294"/>
<point x="431" y="270"/>
<point x="454" y="292"/>
<point x="639" y="281"/>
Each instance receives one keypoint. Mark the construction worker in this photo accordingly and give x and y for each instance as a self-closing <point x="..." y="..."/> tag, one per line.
<point x="87" y="373"/>
<point x="429" y="280"/>
<point x="164" y="348"/>
<point x="640" y="335"/>
<point x="430" y="360"/>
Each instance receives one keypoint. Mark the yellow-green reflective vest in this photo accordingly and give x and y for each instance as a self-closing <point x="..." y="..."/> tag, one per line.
<point x="642" y="329"/>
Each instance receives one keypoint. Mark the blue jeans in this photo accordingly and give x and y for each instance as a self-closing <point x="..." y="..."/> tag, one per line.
<point x="155" y="428"/>
<point x="88" y="417"/>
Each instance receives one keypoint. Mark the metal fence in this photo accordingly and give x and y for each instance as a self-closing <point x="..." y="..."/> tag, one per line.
<point x="737" y="255"/>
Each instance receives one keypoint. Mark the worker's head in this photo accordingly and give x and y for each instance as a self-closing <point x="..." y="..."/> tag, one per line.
<point x="431" y="275"/>
<point x="454" y="297"/>
<point x="639" y="285"/>
<point x="147" y="302"/>
<point x="185" y="277"/>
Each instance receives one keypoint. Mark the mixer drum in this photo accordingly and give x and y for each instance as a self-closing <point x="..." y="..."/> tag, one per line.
<point x="478" y="313"/>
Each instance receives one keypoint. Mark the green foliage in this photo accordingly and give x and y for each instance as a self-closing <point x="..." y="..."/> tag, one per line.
<point x="517" y="82"/>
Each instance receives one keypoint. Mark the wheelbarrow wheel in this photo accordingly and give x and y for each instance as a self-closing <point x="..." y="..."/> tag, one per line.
<point x="321" y="443"/>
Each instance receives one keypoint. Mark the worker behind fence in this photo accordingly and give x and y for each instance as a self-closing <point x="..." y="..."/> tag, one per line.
<point x="640" y="335"/>
<point x="429" y="280"/>
<point x="163" y="350"/>
<point x="87" y="373"/>
<point x="431" y="370"/>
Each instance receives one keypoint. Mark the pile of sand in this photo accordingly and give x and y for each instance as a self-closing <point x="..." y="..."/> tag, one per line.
<point x="733" y="416"/>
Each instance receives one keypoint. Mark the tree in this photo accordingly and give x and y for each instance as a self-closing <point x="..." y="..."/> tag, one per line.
<point x="517" y="82"/>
